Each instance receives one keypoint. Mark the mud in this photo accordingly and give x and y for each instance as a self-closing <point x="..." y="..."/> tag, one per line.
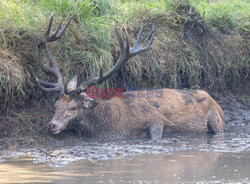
<point x="58" y="154"/>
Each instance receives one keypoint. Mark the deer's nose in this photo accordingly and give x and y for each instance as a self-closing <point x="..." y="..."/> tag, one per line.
<point x="51" y="126"/>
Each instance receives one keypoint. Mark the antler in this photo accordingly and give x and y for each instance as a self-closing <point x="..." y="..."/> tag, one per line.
<point x="125" y="55"/>
<point x="58" y="32"/>
<point x="53" y="69"/>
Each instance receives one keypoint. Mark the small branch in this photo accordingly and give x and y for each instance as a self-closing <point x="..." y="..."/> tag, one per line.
<point x="46" y="153"/>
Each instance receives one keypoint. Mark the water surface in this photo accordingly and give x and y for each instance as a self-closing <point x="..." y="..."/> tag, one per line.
<point x="185" y="167"/>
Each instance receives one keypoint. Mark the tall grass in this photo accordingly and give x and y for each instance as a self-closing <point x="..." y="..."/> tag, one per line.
<point x="226" y="14"/>
<point x="17" y="14"/>
<point x="229" y="14"/>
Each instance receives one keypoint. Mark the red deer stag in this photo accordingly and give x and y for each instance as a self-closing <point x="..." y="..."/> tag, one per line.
<point x="170" y="110"/>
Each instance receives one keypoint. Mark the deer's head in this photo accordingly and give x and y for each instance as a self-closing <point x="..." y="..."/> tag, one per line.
<point x="74" y="100"/>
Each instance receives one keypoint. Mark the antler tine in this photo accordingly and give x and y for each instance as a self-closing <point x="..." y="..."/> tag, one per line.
<point x="47" y="88"/>
<point x="65" y="27"/>
<point x="125" y="54"/>
<point x="54" y="35"/>
<point x="137" y="47"/>
<point x="58" y="32"/>
<point x="140" y="33"/>
<point x="53" y="69"/>
<point x="50" y="24"/>
<point x="119" y="37"/>
<point x="45" y="83"/>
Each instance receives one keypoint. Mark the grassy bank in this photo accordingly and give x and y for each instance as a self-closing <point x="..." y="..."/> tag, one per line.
<point x="199" y="45"/>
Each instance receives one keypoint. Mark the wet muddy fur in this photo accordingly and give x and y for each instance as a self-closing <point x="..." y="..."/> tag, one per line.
<point x="176" y="110"/>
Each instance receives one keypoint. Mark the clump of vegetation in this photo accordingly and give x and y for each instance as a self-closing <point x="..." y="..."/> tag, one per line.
<point x="12" y="77"/>
<point x="225" y="15"/>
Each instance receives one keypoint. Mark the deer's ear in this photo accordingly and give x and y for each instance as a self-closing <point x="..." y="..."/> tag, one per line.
<point x="89" y="103"/>
<point x="72" y="84"/>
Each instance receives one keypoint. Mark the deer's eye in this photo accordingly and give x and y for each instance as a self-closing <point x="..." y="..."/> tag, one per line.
<point x="73" y="109"/>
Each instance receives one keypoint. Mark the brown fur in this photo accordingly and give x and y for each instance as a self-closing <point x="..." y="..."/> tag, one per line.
<point x="175" y="110"/>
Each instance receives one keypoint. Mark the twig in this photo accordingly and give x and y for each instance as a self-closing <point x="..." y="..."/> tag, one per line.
<point x="46" y="153"/>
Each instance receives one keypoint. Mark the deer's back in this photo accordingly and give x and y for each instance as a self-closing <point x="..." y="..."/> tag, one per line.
<point x="179" y="110"/>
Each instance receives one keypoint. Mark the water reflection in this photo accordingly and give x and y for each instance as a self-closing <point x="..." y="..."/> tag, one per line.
<point x="187" y="167"/>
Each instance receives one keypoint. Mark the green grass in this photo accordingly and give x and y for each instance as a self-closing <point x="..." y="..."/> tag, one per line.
<point x="226" y="14"/>
<point x="91" y="36"/>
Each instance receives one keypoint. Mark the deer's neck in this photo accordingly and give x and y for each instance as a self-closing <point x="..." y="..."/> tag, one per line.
<point x="101" y="119"/>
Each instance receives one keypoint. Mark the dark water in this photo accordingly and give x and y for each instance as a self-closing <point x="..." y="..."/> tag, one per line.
<point x="177" y="158"/>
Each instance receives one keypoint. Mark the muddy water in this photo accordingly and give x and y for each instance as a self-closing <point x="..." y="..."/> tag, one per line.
<point x="191" y="158"/>
<point x="176" y="158"/>
<point x="185" y="167"/>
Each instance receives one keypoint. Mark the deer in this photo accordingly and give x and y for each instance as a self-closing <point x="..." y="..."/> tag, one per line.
<point x="172" y="110"/>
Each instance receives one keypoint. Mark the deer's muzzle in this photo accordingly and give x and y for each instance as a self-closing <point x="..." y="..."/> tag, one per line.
<point x="54" y="128"/>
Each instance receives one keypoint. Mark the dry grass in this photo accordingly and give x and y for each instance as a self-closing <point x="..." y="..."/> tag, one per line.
<point x="13" y="78"/>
